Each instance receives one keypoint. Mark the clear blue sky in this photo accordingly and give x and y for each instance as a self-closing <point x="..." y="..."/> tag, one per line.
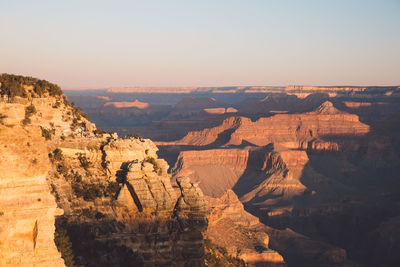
<point x="202" y="43"/>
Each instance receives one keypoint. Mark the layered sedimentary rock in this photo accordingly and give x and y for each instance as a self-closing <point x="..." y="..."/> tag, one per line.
<point x="135" y="104"/>
<point x="118" y="205"/>
<point x="226" y="164"/>
<point x="290" y="170"/>
<point x="341" y="89"/>
<point x="384" y="243"/>
<point x="230" y="226"/>
<point x="325" y="88"/>
<point x="290" y="131"/>
<point x="218" y="134"/>
<point x="274" y="164"/>
<point x="220" y="110"/>
<point x="295" y="131"/>
<point x="27" y="209"/>
<point x="145" y="223"/>
<point x="284" y="102"/>
<point x="243" y="235"/>
<point x="253" y="173"/>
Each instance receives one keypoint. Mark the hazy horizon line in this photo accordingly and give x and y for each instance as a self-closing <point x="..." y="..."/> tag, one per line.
<point x="77" y="88"/>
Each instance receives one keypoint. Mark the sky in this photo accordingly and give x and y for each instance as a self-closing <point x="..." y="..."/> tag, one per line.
<point x="99" y="44"/>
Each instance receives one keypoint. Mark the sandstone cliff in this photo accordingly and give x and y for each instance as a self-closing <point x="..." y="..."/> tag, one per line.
<point x="308" y="172"/>
<point x="117" y="203"/>
<point x="244" y="236"/>
<point x="230" y="226"/>
<point x="27" y="209"/>
<point x="317" y="130"/>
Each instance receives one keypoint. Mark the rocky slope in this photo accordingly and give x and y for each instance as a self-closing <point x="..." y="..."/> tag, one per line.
<point x="116" y="203"/>
<point x="314" y="130"/>
<point x="284" y="102"/>
<point x="243" y="236"/>
<point x="314" y="172"/>
<point x="230" y="226"/>
<point x="271" y="153"/>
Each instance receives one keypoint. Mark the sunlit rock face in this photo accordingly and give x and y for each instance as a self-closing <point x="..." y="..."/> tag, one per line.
<point x="146" y="222"/>
<point x="314" y="172"/>
<point x="266" y="159"/>
<point x="27" y="209"/>
<point x="241" y="233"/>
<point x="114" y="196"/>
<point x="288" y="131"/>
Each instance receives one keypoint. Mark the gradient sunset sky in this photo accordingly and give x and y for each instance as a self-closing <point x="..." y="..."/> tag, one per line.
<point x="99" y="44"/>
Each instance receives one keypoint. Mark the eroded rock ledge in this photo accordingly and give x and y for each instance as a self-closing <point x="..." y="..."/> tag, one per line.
<point x="114" y="196"/>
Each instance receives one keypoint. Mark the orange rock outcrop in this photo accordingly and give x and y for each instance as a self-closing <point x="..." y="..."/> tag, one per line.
<point x="134" y="104"/>
<point x="290" y="131"/>
<point x="27" y="209"/>
<point x="230" y="226"/>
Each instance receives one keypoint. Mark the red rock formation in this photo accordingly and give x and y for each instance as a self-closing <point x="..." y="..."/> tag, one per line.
<point x="350" y="104"/>
<point x="289" y="131"/>
<point x="220" y="110"/>
<point x="104" y="98"/>
<point x="226" y="164"/>
<point x="296" y="130"/>
<point x="230" y="226"/>
<point x="242" y="234"/>
<point x="208" y="136"/>
<point x="263" y="176"/>
<point x="325" y="88"/>
<point x="134" y="104"/>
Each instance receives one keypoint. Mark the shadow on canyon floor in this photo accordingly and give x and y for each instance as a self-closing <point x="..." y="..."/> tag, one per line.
<point x="348" y="196"/>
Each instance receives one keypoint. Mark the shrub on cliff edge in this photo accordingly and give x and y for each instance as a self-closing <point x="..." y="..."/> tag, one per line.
<point x="64" y="246"/>
<point x="156" y="167"/>
<point x="46" y="133"/>
<point x="14" y="85"/>
<point x="217" y="256"/>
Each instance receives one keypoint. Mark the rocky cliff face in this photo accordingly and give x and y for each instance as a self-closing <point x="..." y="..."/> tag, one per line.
<point x="146" y="222"/>
<point x="226" y="164"/>
<point x="243" y="235"/>
<point x="317" y="130"/>
<point x="314" y="172"/>
<point x="268" y="159"/>
<point x="115" y="198"/>
<point x="27" y="209"/>
<point x="341" y="89"/>
<point x="230" y="226"/>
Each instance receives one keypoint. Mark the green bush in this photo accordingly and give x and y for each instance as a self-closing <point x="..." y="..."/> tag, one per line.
<point x="78" y="113"/>
<point x="2" y="117"/>
<point x="156" y="167"/>
<point x="57" y="104"/>
<point x="85" y="163"/>
<point x="62" y="169"/>
<point x="57" y="154"/>
<point x="112" y="189"/>
<point x="54" y="191"/>
<point x="14" y="84"/>
<point x="77" y="177"/>
<point x="30" y="110"/>
<point x="99" y="131"/>
<point x="26" y="121"/>
<point x="218" y="256"/>
<point x="64" y="246"/>
<point x="46" y="133"/>
<point x="91" y="191"/>
<point x="88" y="191"/>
